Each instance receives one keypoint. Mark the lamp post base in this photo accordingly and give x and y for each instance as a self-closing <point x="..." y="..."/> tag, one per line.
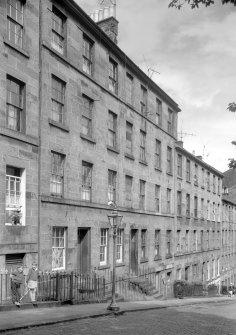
<point x="113" y="307"/>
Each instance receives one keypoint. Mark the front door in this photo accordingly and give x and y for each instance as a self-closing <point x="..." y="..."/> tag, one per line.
<point x="134" y="251"/>
<point x="84" y="250"/>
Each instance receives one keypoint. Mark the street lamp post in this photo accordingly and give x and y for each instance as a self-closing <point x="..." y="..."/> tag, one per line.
<point x="114" y="220"/>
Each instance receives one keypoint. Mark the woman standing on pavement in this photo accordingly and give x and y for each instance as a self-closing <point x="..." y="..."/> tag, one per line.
<point x="17" y="279"/>
<point x="32" y="282"/>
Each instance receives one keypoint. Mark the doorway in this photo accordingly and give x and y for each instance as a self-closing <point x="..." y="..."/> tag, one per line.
<point x="134" y="251"/>
<point x="84" y="250"/>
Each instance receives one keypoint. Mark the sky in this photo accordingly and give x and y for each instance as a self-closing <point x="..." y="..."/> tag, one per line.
<point x="194" y="51"/>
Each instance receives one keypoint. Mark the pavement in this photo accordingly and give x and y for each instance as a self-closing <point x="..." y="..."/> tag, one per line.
<point x="46" y="314"/>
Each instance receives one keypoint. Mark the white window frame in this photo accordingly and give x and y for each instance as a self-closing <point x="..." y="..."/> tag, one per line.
<point x="15" y="209"/>
<point x="103" y="246"/>
<point x="120" y="246"/>
<point x="60" y="248"/>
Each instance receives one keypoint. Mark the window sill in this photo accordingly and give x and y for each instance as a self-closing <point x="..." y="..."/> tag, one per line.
<point x="168" y="256"/>
<point x="113" y="149"/>
<point x="19" y="136"/>
<point x="158" y="169"/>
<point x="50" y="47"/>
<point x="143" y="162"/>
<point x="16" y="48"/>
<point x="179" y="177"/>
<point x="188" y="181"/>
<point x="203" y="187"/>
<point x="157" y="258"/>
<point x="144" y="260"/>
<point x="58" y="125"/>
<point x="169" y="174"/>
<point x="130" y="156"/>
<point x="104" y="267"/>
<point x="87" y="138"/>
<point x="57" y="196"/>
<point x="14" y="225"/>
<point x="119" y="264"/>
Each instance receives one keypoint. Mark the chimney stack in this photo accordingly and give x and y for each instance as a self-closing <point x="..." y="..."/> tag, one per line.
<point x="106" y="20"/>
<point x="180" y="144"/>
<point x="199" y="157"/>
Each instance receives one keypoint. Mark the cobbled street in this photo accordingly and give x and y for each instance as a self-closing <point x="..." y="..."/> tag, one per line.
<point x="202" y="319"/>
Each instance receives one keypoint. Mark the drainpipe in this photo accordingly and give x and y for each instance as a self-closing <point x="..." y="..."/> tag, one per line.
<point x="39" y="129"/>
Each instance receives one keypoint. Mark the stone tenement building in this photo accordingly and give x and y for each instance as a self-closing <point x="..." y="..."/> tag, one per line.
<point x="198" y="223"/>
<point x="229" y="184"/>
<point x="228" y="246"/>
<point x="82" y="125"/>
<point x="19" y="137"/>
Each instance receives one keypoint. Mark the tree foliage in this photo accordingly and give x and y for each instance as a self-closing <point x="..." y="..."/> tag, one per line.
<point x="195" y="3"/>
<point x="232" y="107"/>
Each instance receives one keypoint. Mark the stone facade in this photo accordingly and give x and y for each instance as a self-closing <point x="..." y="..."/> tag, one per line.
<point x="228" y="274"/>
<point x="198" y="229"/>
<point x="19" y="61"/>
<point x="97" y="131"/>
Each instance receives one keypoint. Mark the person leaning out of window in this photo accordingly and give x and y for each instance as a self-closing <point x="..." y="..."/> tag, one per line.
<point x="32" y="282"/>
